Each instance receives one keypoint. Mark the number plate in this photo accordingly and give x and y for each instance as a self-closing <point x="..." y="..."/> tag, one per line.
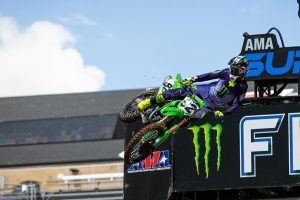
<point x="168" y="84"/>
<point x="189" y="106"/>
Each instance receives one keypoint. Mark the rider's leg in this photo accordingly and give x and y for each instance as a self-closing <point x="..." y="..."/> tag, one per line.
<point x="203" y="90"/>
<point x="161" y="97"/>
<point x="146" y="103"/>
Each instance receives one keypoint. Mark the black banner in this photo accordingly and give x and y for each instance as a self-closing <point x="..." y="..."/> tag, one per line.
<point x="257" y="146"/>
<point x="150" y="179"/>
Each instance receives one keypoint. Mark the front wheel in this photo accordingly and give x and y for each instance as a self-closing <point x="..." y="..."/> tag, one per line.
<point x="140" y="146"/>
<point x="129" y="111"/>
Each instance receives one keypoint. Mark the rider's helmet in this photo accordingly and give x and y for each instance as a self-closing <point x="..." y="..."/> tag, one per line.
<point x="238" y="66"/>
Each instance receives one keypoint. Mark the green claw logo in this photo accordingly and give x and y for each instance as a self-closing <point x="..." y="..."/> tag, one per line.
<point x="207" y="135"/>
<point x="223" y="91"/>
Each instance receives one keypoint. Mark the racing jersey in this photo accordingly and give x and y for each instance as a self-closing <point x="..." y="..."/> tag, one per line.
<point x="222" y="92"/>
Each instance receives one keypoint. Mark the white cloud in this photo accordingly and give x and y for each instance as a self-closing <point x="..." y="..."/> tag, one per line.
<point x="42" y="60"/>
<point x="77" y="18"/>
<point x="108" y="35"/>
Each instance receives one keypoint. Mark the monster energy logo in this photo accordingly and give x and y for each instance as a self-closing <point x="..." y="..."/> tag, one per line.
<point x="223" y="91"/>
<point x="207" y="136"/>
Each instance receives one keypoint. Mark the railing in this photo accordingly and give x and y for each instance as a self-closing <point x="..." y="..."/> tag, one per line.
<point x="89" y="182"/>
<point x="61" y="178"/>
<point x="91" y="177"/>
<point x="85" y="186"/>
<point x="105" y="195"/>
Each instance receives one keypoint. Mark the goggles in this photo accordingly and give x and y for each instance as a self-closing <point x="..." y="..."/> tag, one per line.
<point x="238" y="71"/>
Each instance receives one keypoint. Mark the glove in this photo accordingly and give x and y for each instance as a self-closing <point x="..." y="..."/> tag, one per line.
<point x="189" y="81"/>
<point x="219" y="114"/>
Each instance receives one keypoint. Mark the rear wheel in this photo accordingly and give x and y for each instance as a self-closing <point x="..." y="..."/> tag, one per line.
<point x="140" y="146"/>
<point x="129" y="111"/>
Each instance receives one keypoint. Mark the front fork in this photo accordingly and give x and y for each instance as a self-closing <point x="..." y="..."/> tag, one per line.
<point x="172" y="130"/>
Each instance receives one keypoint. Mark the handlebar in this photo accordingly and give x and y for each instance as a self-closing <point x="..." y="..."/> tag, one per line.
<point x="188" y="88"/>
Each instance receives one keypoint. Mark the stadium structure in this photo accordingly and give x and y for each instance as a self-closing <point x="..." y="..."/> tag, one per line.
<point x="62" y="146"/>
<point x="70" y="146"/>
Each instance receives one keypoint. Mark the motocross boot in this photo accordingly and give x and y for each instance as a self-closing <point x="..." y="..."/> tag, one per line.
<point x="142" y="106"/>
<point x="146" y="103"/>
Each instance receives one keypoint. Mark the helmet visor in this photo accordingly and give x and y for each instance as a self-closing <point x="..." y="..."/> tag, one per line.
<point x="238" y="71"/>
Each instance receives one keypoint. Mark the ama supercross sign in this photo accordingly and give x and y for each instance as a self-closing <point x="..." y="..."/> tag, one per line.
<point x="267" y="60"/>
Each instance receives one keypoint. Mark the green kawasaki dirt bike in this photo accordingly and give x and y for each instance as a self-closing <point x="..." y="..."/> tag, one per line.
<point x="166" y="120"/>
<point x="130" y="112"/>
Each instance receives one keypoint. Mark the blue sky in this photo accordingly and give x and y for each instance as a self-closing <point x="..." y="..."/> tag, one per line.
<point x="135" y="44"/>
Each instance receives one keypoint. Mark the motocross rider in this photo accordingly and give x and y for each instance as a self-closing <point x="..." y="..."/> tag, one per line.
<point x="228" y="90"/>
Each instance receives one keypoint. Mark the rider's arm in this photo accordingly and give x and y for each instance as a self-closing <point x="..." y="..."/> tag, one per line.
<point x="213" y="75"/>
